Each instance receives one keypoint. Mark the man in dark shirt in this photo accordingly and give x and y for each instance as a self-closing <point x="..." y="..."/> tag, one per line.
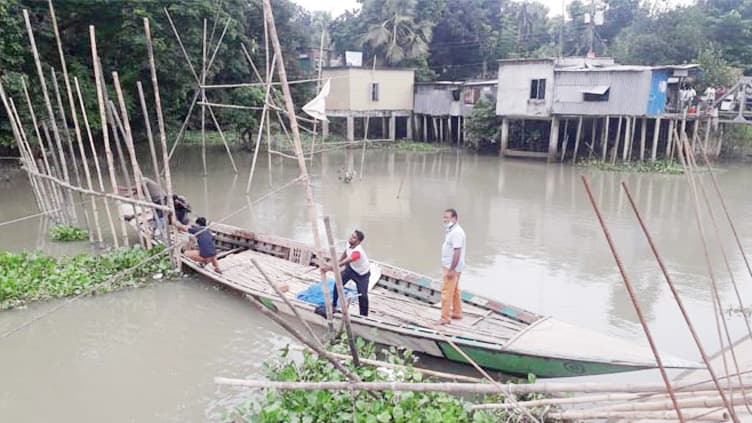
<point x="182" y="208"/>
<point x="207" y="251"/>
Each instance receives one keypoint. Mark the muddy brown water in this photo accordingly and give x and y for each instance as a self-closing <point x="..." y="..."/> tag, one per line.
<point x="150" y="354"/>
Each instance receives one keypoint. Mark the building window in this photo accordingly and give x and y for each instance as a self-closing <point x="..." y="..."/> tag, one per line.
<point x="596" y="94"/>
<point x="456" y="95"/>
<point x="537" y="89"/>
<point x="374" y="91"/>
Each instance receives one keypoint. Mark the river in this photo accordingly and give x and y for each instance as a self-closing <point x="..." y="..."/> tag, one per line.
<point x="150" y="354"/>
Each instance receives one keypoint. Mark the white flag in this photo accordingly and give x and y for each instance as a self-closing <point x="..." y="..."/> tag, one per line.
<point x="316" y="108"/>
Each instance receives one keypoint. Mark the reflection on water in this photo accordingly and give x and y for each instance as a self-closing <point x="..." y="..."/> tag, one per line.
<point x="533" y="241"/>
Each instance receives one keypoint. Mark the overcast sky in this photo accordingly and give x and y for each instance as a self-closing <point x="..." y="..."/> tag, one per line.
<point x="337" y="7"/>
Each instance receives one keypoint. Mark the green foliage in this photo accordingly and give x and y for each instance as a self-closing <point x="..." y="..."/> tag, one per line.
<point x="483" y="126"/>
<point x="668" y="167"/>
<point x="416" y="147"/>
<point x="331" y="406"/>
<point x="716" y="70"/>
<point x="68" y="233"/>
<point x="26" y="277"/>
<point x="394" y="31"/>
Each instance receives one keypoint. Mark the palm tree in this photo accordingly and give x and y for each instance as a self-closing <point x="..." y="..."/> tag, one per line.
<point x="394" y="31"/>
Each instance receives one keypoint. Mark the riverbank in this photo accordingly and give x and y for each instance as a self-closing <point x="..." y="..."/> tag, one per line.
<point x="28" y="277"/>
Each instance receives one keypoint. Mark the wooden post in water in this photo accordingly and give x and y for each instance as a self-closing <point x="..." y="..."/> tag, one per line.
<point x="656" y="135"/>
<point x="341" y="292"/>
<point x="553" y="139"/>
<point x="64" y="194"/>
<point x="670" y="139"/>
<point x="643" y="134"/>
<point x="615" y="150"/>
<point x="132" y="153"/>
<point x="363" y="153"/>
<point x="424" y="128"/>
<point x="163" y="141"/>
<point x="312" y="214"/>
<point x="504" y="136"/>
<point x="577" y="138"/>
<point x="628" y="129"/>
<point x="98" y="78"/>
<point x="565" y="143"/>
<point x="604" y="142"/>
<point x="117" y="132"/>
<point x="593" y="130"/>
<point x="94" y="155"/>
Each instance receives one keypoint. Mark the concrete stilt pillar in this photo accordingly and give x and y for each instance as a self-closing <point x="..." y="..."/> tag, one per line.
<point x="424" y="126"/>
<point x="383" y="127"/>
<point x="350" y="128"/>
<point x="409" y="128"/>
<point x="392" y="127"/>
<point x="656" y="133"/>
<point x="324" y="129"/>
<point x="504" y="136"/>
<point x="553" y="139"/>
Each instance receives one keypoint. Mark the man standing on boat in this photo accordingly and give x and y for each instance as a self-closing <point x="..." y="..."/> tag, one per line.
<point x="452" y="263"/>
<point x="357" y="268"/>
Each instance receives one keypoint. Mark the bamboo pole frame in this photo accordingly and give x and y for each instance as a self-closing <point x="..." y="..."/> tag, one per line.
<point x="149" y="134"/>
<point x="94" y="155"/>
<point x="98" y="78"/>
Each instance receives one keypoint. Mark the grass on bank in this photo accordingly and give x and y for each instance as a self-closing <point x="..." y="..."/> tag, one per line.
<point x="272" y="406"/>
<point x="667" y="167"/>
<point x="67" y="233"/>
<point x="281" y="142"/>
<point x="27" y="277"/>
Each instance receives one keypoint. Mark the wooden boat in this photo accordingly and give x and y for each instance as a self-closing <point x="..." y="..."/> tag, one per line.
<point x="404" y="306"/>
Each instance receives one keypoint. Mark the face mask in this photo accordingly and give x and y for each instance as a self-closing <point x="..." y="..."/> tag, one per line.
<point x="448" y="225"/>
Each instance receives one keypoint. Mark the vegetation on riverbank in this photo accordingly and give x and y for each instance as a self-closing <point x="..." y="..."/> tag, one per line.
<point x="667" y="167"/>
<point x="67" y="233"/>
<point x="333" y="406"/>
<point x="27" y="277"/>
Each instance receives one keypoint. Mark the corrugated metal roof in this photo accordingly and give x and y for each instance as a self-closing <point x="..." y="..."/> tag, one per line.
<point x="597" y="90"/>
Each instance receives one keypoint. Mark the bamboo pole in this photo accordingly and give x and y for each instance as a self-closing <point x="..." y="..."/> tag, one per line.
<point x="363" y="152"/>
<point x="117" y="132"/>
<point x="117" y="197"/>
<point x="98" y="78"/>
<point x="264" y="117"/>
<point x="675" y="293"/>
<point x="451" y="387"/>
<point x="702" y="414"/>
<point x="427" y="372"/>
<point x="312" y="214"/>
<point x="74" y="116"/>
<point x="96" y="161"/>
<point x="162" y="139"/>
<point x="203" y="99"/>
<point x="56" y="197"/>
<point x="670" y="139"/>
<point x="282" y="296"/>
<point x="338" y="285"/>
<point x="633" y="297"/>
<point x="132" y="153"/>
<point x="318" y="88"/>
<point x="26" y="155"/>
<point x="224" y="140"/>
<point x="71" y="152"/>
<point x="64" y="194"/>
<point x="312" y="345"/>
<point x="702" y="401"/>
<point x="149" y="134"/>
<point x="50" y="112"/>
<point x="687" y="165"/>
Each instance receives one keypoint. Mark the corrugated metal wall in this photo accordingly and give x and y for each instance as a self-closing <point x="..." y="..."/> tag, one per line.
<point x="629" y="92"/>
<point x="437" y="100"/>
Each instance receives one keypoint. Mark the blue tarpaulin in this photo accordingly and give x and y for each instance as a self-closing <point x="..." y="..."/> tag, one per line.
<point x="315" y="295"/>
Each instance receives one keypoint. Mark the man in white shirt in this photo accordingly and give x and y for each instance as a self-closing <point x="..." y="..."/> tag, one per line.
<point x="452" y="263"/>
<point x="357" y="268"/>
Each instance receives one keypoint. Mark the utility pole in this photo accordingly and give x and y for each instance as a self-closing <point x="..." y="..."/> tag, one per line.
<point x="561" y="28"/>
<point x="591" y="29"/>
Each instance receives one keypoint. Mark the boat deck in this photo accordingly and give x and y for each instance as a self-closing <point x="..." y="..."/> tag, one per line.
<point x="385" y="306"/>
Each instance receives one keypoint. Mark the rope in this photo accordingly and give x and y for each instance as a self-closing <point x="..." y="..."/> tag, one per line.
<point x="31" y="216"/>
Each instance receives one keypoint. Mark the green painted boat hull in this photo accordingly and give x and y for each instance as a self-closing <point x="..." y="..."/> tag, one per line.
<point x="517" y="364"/>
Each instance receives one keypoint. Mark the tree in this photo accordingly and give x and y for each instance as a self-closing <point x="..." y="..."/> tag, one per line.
<point x="393" y="32"/>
